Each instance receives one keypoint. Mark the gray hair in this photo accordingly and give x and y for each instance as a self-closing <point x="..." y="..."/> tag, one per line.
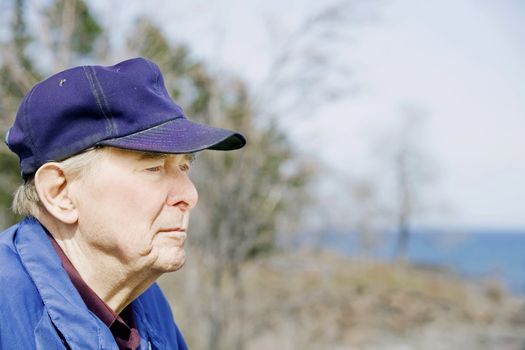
<point x="26" y="200"/>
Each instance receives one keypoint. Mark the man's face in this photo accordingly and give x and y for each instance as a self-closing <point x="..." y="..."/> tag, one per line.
<point x="135" y="207"/>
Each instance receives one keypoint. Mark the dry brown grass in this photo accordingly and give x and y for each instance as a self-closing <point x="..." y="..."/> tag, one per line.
<point x="307" y="300"/>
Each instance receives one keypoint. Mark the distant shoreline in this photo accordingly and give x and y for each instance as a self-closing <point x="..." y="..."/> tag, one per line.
<point x="485" y="254"/>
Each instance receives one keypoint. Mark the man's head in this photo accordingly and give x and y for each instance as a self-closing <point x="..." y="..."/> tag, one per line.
<point x="105" y="153"/>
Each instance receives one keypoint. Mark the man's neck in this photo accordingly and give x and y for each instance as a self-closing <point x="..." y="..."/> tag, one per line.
<point x="117" y="286"/>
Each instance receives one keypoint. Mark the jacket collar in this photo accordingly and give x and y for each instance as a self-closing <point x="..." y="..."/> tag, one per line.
<point x="65" y="307"/>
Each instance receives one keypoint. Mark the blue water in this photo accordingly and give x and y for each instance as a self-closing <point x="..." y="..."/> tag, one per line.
<point x="476" y="254"/>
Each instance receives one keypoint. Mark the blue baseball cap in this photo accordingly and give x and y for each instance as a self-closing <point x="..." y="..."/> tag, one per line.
<point x="125" y="106"/>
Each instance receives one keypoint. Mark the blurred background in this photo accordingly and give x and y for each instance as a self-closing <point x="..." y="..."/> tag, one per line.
<point x="379" y="202"/>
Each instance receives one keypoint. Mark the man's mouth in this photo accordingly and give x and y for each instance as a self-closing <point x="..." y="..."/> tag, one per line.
<point x="172" y="229"/>
<point x="177" y="233"/>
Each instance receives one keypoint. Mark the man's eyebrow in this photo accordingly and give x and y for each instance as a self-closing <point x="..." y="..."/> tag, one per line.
<point x="152" y="155"/>
<point x="190" y="157"/>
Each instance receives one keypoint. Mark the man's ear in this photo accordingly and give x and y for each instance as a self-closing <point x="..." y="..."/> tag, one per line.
<point x="53" y="190"/>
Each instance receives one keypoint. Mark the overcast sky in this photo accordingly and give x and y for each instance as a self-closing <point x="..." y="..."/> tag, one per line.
<point x="462" y="62"/>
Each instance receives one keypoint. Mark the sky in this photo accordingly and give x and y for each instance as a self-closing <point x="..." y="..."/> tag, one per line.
<point x="461" y="62"/>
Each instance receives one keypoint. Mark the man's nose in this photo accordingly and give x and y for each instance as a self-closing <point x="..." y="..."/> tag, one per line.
<point x="183" y="194"/>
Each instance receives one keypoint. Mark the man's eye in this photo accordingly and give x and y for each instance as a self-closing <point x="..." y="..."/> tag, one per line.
<point x="155" y="169"/>
<point x="184" y="167"/>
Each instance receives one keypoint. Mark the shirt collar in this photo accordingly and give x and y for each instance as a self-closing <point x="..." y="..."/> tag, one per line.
<point x="121" y="326"/>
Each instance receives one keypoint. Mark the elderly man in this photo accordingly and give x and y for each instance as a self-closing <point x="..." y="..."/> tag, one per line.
<point x="105" y="154"/>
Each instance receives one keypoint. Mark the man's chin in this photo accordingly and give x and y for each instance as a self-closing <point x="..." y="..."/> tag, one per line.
<point x="172" y="265"/>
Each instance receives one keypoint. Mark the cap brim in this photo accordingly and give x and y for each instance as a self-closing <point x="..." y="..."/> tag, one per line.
<point x="179" y="136"/>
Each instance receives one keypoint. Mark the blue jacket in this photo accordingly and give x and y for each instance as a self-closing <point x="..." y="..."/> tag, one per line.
<point x="41" y="309"/>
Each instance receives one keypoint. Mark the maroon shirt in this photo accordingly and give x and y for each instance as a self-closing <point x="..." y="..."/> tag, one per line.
<point x="121" y="326"/>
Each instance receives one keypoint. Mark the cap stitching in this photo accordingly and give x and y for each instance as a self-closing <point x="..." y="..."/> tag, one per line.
<point x="94" y="91"/>
<point x="112" y="126"/>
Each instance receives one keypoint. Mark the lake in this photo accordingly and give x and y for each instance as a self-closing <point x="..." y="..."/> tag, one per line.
<point x="473" y="254"/>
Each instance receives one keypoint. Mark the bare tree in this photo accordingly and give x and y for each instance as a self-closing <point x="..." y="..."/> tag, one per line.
<point x="412" y="172"/>
<point x="267" y="176"/>
<point x="306" y="70"/>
